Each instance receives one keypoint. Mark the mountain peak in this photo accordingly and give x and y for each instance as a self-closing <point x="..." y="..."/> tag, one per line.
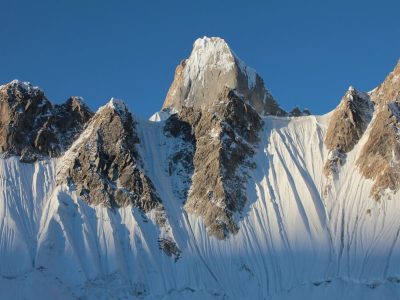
<point x="116" y="105"/>
<point x="24" y="87"/>
<point x="209" y="53"/>
<point x="214" y="52"/>
<point x="212" y="66"/>
<point x="389" y="89"/>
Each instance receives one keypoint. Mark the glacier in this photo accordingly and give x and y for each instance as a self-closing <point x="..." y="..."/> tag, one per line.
<point x="301" y="236"/>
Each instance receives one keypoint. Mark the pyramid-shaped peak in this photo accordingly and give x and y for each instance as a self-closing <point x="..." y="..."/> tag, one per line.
<point x="211" y="46"/>
<point x="353" y="92"/>
<point x="212" y="66"/>
<point x="114" y="104"/>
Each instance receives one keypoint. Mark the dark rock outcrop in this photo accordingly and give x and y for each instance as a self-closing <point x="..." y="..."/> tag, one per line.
<point x="169" y="247"/>
<point x="346" y="126"/>
<point x="103" y="165"/>
<point x="296" y="112"/>
<point x="223" y="136"/>
<point x="31" y="127"/>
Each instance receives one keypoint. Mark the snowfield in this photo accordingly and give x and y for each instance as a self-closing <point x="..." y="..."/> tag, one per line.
<point x="301" y="236"/>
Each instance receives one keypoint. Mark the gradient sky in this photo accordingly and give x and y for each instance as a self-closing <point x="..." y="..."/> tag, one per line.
<point x="308" y="52"/>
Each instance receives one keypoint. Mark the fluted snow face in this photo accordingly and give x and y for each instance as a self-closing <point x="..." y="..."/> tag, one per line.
<point x="292" y="243"/>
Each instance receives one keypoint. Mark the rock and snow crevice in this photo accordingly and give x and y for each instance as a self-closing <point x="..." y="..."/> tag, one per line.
<point x="223" y="140"/>
<point x="209" y="200"/>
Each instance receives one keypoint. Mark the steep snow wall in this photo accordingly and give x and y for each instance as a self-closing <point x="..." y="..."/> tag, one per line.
<point x="296" y="239"/>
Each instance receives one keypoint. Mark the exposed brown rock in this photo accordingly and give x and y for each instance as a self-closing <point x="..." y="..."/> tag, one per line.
<point x="349" y="121"/>
<point x="346" y="126"/>
<point x="389" y="90"/>
<point x="104" y="166"/>
<point x="223" y="136"/>
<point x="380" y="157"/>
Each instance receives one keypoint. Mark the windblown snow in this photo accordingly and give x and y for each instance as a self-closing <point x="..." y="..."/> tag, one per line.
<point x="293" y="242"/>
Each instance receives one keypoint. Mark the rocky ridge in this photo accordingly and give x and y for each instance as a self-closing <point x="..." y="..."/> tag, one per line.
<point x="347" y="125"/>
<point x="31" y="127"/>
<point x="223" y="138"/>
<point x="377" y="111"/>
<point x="214" y="112"/>
<point x="379" y="158"/>
<point x="103" y="165"/>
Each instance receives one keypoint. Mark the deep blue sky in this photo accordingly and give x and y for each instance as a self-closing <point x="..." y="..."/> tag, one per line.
<point x="308" y="52"/>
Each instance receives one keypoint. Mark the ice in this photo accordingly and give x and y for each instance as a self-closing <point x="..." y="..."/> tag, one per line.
<point x="293" y="241"/>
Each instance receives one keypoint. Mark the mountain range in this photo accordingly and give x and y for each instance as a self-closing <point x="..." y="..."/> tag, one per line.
<point x="222" y="194"/>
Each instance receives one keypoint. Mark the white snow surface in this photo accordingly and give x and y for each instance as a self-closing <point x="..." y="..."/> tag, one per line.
<point x="214" y="53"/>
<point x="293" y="243"/>
<point x="161" y="115"/>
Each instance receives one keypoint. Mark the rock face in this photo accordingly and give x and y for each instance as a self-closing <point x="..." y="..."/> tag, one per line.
<point x="68" y="120"/>
<point x="224" y="136"/>
<point x="103" y="164"/>
<point x="346" y="126"/>
<point x="211" y="67"/>
<point x="31" y="127"/>
<point x="380" y="156"/>
<point x="389" y="90"/>
<point x="296" y="112"/>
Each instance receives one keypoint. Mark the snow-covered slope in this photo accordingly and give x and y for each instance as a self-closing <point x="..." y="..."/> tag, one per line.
<point x="215" y="197"/>
<point x="293" y="242"/>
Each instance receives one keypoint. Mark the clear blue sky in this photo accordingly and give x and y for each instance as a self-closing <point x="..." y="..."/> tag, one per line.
<point x="308" y="52"/>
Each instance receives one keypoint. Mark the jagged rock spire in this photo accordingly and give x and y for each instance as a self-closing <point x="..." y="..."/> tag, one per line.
<point x="389" y="89"/>
<point x="31" y="127"/>
<point x="211" y="67"/>
<point x="103" y="165"/>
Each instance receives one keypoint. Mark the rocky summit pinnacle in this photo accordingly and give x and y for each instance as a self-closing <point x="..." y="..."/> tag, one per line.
<point x="211" y="67"/>
<point x="32" y="127"/>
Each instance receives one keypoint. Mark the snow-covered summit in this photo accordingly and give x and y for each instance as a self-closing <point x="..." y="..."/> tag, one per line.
<point x="115" y="104"/>
<point x="212" y="66"/>
<point x="208" y="53"/>
<point x="214" y="52"/>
